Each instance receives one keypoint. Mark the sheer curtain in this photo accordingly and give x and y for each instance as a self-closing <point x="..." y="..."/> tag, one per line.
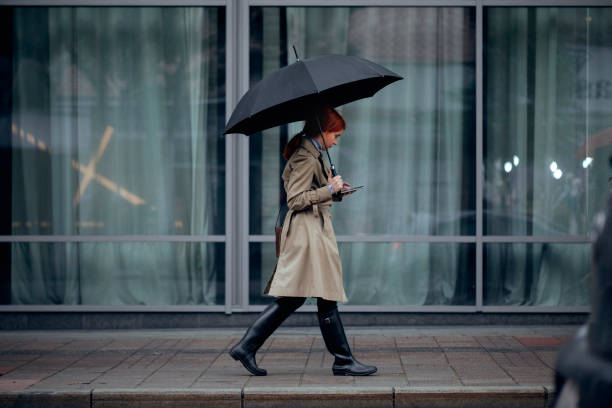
<point x="542" y="110"/>
<point x="411" y="145"/>
<point x="123" y="106"/>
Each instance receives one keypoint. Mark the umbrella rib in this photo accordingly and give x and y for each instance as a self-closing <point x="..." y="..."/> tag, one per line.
<point x="257" y="96"/>
<point x="370" y="67"/>
<point x="253" y="105"/>
<point x="311" y="78"/>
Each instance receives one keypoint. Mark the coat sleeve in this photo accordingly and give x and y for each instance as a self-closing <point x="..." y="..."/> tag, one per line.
<point x="335" y="197"/>
<point x="299" y="192"/>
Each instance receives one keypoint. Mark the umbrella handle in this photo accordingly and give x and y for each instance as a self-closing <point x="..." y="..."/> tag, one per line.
<point x="331" y="165"/>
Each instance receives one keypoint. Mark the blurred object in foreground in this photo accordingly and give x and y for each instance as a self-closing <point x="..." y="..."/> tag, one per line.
<point x="584" y="366"/>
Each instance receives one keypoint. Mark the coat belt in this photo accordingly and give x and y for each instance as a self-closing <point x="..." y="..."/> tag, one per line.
<point x="315" y="210"/>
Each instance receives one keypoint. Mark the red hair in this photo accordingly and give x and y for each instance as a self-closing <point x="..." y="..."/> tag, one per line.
<point x="331" y="121"/>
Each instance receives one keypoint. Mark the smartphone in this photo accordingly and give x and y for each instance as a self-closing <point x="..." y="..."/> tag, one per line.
<point x="350" y="190"/>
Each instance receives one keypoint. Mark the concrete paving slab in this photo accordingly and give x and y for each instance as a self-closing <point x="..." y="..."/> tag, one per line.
<point x="318" y="397"/>
<point x="175" y="398"/>
<point x="46" y="399"/>
<point x="424" y="357"/>
<point x="472" y="397"/>
<point x="441" y="366"/>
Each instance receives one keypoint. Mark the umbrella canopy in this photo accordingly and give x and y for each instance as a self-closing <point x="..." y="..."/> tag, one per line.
<point x="293" y="92"/>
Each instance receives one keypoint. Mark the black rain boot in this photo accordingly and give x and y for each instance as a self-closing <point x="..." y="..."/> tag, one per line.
<point x="259" y="331"/>
<point x="335" y="340"/>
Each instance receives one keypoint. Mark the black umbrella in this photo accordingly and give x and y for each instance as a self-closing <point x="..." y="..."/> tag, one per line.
<point x="293" y="93"/>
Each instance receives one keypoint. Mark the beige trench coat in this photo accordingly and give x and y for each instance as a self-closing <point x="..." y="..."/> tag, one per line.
<point x="309" y="263"/>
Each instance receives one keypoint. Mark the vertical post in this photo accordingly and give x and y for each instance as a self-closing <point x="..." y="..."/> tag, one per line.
<point x="256" y="146"/>
<point x="230" y="102"/>
<point x="7" y="134"/>
<point x="479" y="153"/>
<point x="242" y="165"/>
<point x="531" y="135"/>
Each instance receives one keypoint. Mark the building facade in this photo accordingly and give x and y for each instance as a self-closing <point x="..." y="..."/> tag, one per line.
<point x="485" y="167"/>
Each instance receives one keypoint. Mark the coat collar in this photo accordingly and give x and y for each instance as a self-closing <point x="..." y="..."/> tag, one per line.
<point x="307" y="144"/>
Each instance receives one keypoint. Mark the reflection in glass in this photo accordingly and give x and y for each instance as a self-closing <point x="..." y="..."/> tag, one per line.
<point x="392" y="273"/>
<point x="412" y="145"/>
<point x="115" y="117"/>
<point x="548" y="99"/>
<point x="540" y="274"/>
<point x="103" y="273"/>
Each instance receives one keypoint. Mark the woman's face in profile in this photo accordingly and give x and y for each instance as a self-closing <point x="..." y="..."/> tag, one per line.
<point x="331" y="138"/>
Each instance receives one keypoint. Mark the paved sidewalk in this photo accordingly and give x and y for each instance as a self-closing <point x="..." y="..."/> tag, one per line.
<point x="417" y="366"/>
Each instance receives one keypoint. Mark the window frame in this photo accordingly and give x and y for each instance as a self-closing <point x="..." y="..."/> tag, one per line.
<point x="237" y="237"/>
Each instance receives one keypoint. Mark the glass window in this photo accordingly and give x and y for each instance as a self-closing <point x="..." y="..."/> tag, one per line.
<point x="115" y="117"/>
<point x="394" y="273"/>
<point x="542" y="274"/>
<point x="548" y="99"/>
<point x="107" y="273"/>
<point x="412" y="145"/>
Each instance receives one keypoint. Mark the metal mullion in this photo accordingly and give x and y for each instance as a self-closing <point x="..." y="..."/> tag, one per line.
<point x="430" y="3"/>
<point x="112" y="238"/>
<point x="243" y="155"/>
<point x="384" y="238"/>
<point x="362" y="3"/>
<point x="545" y="3"/>
<point x="405" y="309"/>
<point x="536" y="309"/>
<point x="479" y="154"/>
<point x="407" y="238"/>
<point x="230" y="102"/>
<point x="457" y="309"/>
<point x="448" y="238"/>
<point x="562" y="239"/>
<point x="262" y="238"/>
<point x="115" y="3"/>
<point x="103" y="308"/>
<point x="304" y="3"/>
<point x="437" y="309"/>
<point x="381" y="308"/>
<point x="490" y="239"/>
<point x="236" y="164"/>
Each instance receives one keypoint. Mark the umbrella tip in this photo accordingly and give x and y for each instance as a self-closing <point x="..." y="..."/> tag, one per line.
<point x="296" y="54"/>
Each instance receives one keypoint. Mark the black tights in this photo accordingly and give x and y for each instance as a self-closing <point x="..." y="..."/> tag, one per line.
<point x="293" y="303"/>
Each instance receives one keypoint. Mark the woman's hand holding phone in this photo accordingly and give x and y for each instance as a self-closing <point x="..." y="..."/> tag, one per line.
<point x="346" y="189"/>
<point x="335" y="181"/>
<point x="340" y="186"/>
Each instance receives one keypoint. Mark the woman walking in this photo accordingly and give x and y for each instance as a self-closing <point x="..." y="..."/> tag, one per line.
<point x="309" y="263"/>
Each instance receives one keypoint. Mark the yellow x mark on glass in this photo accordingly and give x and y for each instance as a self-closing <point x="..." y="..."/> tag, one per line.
<point x="89" y="173"/>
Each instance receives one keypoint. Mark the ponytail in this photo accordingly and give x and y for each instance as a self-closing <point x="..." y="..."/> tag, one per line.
<point x="292" y="145"/>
